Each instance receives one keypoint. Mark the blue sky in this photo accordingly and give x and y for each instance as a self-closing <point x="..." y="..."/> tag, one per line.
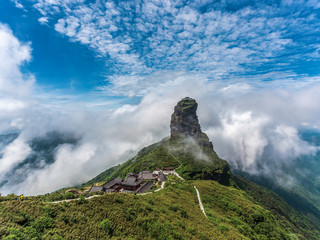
<point x="115" y="48"/>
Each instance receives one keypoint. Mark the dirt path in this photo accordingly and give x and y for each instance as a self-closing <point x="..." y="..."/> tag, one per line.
<point x="69" y="200"/>
<point x="161" y="187"/>
<point x="175" y="173"/>
<point x="200" y="203"/>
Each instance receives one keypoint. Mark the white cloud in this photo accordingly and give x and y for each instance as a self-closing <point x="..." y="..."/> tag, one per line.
<point x="255" y="132"/>
<point x="14" y="153"/>
<point x="12" y="55"/>
<point x="141" y="38"/>
<point x="17" y="4"/>
<point x="43" y="20"/>
<point x="15" y="87"/>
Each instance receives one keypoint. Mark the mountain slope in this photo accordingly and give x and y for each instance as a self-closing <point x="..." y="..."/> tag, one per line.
<point x="302" y="191"/>
<point x="287" y="216"/>
<point x="172" y="213"/>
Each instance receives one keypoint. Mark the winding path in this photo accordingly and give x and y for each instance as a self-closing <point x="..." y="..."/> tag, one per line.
<point x="69" y="200"/>
<point x="161" y="187"/>
<point x="175" y="173"/>
<point x="200" y="203"/>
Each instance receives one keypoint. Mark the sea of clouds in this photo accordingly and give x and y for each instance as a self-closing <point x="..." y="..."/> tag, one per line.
<point x="255" y="129"/>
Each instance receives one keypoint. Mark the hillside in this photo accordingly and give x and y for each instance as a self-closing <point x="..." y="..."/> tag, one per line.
<point x="296" y="221"/>
<point x="172" y="213"/>
<point x="303" y="192"/>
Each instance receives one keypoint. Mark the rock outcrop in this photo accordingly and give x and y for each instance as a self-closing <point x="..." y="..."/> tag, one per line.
<point x="184" y="122"/>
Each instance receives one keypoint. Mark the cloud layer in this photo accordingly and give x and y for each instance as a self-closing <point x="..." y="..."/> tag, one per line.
<point x="224" y="40"/>
<point x="256" y="133"/>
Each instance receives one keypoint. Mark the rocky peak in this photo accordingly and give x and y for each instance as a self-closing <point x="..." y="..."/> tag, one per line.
<point x="184" y="122"/>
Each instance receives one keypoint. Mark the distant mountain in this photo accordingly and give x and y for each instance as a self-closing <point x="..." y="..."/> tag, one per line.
<point x="42" y="154"/>
<point x="6" y="139"/>
<point x="303" y="193"/>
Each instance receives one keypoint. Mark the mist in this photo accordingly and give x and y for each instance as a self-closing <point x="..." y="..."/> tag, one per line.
<point x="255" y="129"/>
<point x="256" y="133"/>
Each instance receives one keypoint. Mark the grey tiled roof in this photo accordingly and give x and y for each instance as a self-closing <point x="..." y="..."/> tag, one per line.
<point x="162" y="177"/>
<point x="131" y="182"/>
<point x="146" y="175"/>
<point x="145" y="187"/>
<point x="112" y="182"/>
<point x="96" y="189"/>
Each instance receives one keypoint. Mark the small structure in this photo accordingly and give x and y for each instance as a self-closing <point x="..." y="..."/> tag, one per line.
<point x="140" y="183"/>
<point x="145" y="187"/>
<point x="168" y="169"/>
<point x="162" y="177"/>
<point x="147" y="175"/>
<point x="113" y="184"/>
<point x="110" y="186"/>
<point x="132" y="182"/>
<point x="96" y="189"/>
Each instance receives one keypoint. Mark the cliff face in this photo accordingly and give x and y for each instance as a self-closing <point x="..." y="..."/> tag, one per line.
<point x="184" y="122"/>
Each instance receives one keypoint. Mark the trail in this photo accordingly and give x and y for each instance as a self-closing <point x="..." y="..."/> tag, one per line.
<point x="161" y="187"/>
<point x="69" y="200"/>
<point x="200" y="203"/>
<point x="93" y="196"/>
<point x="177" y="174"/>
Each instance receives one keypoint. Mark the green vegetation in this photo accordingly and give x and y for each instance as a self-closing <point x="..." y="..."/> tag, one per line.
<point x="172" y="213"/>
<point x="198" y="162"/>
<point x="302" y="225"/>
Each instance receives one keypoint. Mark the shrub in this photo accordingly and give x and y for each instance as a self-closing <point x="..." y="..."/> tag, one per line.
<point x="69" y="195"/>
<point x="203" y="237"/>
<point x="191" y="231"/>
<point x="82" y="200"/>
<point x="14" y="234"/>
<point x="43" y="223"/>
<point x="173" y="208"/>
<point x="50" y="212"/>
<point x="31" y="233"/>
<point x="130" y="214"/>
<point x="11" y="237"/>
<point x="73" y="219"/>
<point x="117" y="200"/>
<point x="184" y="213"/>
<point x="64" y="218"/>
<point x="181" y="224"/>
<point x="148" y="208"/>
<point x="107" y="226"/>
<point x="223" y="227"/>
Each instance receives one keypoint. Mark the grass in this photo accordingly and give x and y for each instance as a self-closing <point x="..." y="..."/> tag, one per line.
<point x="172" y="213"/>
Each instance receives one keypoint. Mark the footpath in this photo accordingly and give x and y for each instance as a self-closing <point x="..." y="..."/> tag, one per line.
<point x="161" y="187"/>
